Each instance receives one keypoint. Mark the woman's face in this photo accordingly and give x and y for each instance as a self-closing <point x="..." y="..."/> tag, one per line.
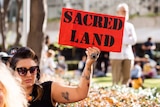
<point x="121" y="12"/>
<point x="2" y="95"/>
<point x="26" y="70"/>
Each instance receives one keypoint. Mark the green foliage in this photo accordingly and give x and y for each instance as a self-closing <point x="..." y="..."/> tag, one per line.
<point x="146" y="15"/>
<point x="133" y="16"/>
<point x="54" y="19"/>
<point x="151" y="15"/>
<point x="61" y="47"/>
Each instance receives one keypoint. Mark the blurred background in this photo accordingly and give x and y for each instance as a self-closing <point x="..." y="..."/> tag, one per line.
<point x="20" y="20"/>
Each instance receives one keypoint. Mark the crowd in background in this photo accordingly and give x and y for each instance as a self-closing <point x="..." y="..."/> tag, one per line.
<point x="54" y="63"/>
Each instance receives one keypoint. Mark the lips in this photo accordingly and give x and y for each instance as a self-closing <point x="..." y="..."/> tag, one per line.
<point x="28" y="80"/>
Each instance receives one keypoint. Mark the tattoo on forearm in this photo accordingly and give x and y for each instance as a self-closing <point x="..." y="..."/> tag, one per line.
<point x="88" y="84"/>
<point x="89" y="69"/>
<point x="65" y="95"/>
<point x="87" y="77"/>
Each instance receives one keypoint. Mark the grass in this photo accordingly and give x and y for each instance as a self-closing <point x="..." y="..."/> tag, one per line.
<point x="107" y="81"/>
<point x="103" y="81"/>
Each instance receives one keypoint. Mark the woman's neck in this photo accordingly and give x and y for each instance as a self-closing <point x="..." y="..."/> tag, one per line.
<point x="28" y="90"/>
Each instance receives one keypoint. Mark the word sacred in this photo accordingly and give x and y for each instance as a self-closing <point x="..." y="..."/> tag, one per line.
<point x="93" y="20"/>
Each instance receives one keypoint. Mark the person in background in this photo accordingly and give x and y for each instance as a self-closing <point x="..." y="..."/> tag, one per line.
<point x="136" y="72"/>
<point x="121" y="62"/>
<point x="148" y="47"/>
<point x="11" y="93"/>
<point x="47" y="94"/>
<point x="101" y="67"/>
<point x="81" y="65"/>
<point x="149" y="67"/>
<point x="62" y="66"/>
<point x="46" y="43"/>
<point x="45" y="48"/>
<point x="136" y="76"/>
<point x="49" y="65"/>
<point x="4" y="57"/>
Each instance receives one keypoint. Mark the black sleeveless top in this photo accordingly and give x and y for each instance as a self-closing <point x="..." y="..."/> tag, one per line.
<point x="45" y="100"/>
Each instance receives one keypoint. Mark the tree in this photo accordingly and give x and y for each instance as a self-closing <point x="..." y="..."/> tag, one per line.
<point x="3" y="22"/>
<point x="37" y="16"/>
<point x="18" y="20"/>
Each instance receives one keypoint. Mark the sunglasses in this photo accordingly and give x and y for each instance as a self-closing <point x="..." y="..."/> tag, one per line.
<point x="22" y="71"/>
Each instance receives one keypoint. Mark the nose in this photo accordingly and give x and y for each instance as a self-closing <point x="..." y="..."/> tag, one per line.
<point x="28" y="73"/>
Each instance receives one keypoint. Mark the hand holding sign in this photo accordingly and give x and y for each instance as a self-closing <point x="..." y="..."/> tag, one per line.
<point x="85" y="29"/>
<point x="92" y="54"/>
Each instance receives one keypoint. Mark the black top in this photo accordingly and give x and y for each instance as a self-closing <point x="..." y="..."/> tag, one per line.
<point x="149" y="51"/>
<point x="45" y="101"/>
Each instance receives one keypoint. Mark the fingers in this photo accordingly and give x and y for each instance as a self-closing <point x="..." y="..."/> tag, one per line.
<point x="93" y="50"/>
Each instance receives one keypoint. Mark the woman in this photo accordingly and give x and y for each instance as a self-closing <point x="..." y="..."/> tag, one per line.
<point x="11" y="93"/>
<point x="48" y="93"/>
<point x="121" y="62"/>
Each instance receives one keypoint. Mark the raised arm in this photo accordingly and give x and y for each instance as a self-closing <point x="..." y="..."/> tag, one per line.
<point x="66" y="94"/>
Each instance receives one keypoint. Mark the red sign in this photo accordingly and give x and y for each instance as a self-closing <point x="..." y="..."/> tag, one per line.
<point x="84" y="29"/>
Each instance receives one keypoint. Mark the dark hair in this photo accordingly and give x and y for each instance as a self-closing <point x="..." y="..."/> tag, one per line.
<point x="149" y="39"/>
<point x="23" y="53"/>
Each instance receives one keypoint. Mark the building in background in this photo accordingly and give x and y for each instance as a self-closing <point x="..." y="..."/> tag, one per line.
<point x="140" y="7"/>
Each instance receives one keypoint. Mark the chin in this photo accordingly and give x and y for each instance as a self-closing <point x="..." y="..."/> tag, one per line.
<point x="2" y="101"/>
<point x="28" y="85"/>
